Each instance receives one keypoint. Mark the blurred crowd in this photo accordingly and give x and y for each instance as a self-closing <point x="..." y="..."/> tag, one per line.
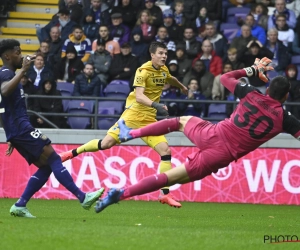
<point x="93" y="42"/>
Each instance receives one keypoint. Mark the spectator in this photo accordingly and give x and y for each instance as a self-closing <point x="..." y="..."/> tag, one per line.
<point x="75" y="10"/>
<point x="213" y="63"/>
<point x="296" y="45"/>
<point x="256" y="31"/>
<point x="267" y="3"/>
<point x="101" y="60"/>
<point x="80" y="42"/>
<point x="281" y="56"/>
<point x="163" y="37"/>
<point x="175" y="32"/>
<point x="111" y="46"/>
<point x="69" y="66"/>
<point x="178" y="13"/>
<point x="240" y="3"/>
<point x="48" y="105"/>
<point x="241" y="42"/>
<point x="62" y="21"/>
<point x="232" y="58"/>
<point x="200" y="22"/>
<point x="138" y="47"/>
<point x="155" y="12"/>
<point x="144" y="21"/>
<point x="280" y="8"/>
<point x="169" y="92"/>
<point x="29" y="89"/>
<point x="44" y="51"/>
<point x="118" y="31"/>
<point x="193" y="108"/>
<point x="285" y="34"/>
<point x="291" y="73"/>
<point x="123" y="65"/>
<point x="87" y="83"/>
<point x="128" y="12"/>
<point x="100" y="10"/>
<point x="184" y="63"/>
<point x="55" y="45"/>
<point x="189" y="42"/>
<point x="214" y="10"/>
<point x="204" y="77"/>
<point x="190" y="10"/>
<point x="89" y="27"/>
<point x="219" y="92"/>
<point x="173" y="68"/>
<point x="260" y="14"/>
<point x="218" y="41"/>
<point x="38" y="71"/>
<point x="293" y="5"/>
<point x="253" y="50"/>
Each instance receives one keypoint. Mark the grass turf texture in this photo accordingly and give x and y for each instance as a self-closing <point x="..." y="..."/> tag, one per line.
<point x="65" y="225"/>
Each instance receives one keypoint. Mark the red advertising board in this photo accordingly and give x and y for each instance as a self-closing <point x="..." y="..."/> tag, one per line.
<point x="267" y="176"/>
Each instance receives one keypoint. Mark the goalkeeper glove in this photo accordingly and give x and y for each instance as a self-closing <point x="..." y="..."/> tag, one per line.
<point x="259" y="68"/>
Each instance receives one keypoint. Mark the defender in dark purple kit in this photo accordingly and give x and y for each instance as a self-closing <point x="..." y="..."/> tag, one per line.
<point x="257" y="119"/>
<point x="34" y="146"/>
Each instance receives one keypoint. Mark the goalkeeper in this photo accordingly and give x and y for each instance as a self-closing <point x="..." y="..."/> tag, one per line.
<point x="257" y="119"/>
<point x="141" y="107"/>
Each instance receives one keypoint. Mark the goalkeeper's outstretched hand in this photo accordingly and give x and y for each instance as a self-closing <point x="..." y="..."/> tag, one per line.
<point x="259" y="68"/>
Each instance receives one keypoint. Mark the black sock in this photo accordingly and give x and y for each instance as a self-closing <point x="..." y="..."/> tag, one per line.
<point x="74" y="152"/>
<point x="165" y="191"/>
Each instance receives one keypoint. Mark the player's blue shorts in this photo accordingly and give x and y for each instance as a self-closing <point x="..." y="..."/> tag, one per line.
<point x="30" y="145"/>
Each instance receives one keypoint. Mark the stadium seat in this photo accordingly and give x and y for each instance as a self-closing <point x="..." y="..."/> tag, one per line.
<point x="229" y="30"/>
<point x="80" y="107"/>
<point x="271" y="74"/>
<point x="237" y="11"/>
<point x="117" y="105"/>
<point x="217" y="111"/>
<point x="106" y="122"/>
<point x="117" y="88"/>
<point x="66" y="89"/>
<point x="295" y="60"/>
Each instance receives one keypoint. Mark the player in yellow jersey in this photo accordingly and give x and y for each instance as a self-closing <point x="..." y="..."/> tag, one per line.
<point x="141" y="107"/>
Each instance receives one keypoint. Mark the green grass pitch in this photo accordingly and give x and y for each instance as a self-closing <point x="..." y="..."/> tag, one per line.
<point x="64" y="225"/>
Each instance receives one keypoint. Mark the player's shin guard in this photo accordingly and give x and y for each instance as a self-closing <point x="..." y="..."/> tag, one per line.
<point x="165" y="165"/>
<point x="157" y="128"/>
<point x="63" y="176"/>
<point x="91" y="146"/>
<point x="146" y="185"/>
<point x="35" y="183"/>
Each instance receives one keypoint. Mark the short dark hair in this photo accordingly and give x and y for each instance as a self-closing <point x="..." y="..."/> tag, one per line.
<point x="154" y="45"/>
<point x="279" y="87"/>
<point x="77" y="27"/>
<point x="89" y="64"/>
<point x="8" y="44"/>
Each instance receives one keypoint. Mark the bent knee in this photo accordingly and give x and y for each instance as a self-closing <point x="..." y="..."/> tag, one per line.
<point x="163" y="149"/>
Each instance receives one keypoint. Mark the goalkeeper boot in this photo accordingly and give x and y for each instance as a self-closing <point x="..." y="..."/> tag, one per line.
<point x="168" y="199"/>
<point x="124" y="134"/>
<point x="20" y="212"/>
<point x="112" y="197"/>
<point x="90" y="198"/>
<point x="66" y="156"/>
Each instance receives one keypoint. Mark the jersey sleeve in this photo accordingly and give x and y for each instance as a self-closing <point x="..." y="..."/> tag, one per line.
<point x="291" y="125"/>
<point x="242" y="89"/>
<point x="5" y="75"/>
<point x="140" y="78"/>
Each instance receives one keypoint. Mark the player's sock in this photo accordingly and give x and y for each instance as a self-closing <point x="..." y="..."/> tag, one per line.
<point x="146" y="185"/>
<point x="35" y="183"/>
<point x="157" y="128"/>
<point x="91" y="146"/>
<point x="63" y="176"/>
<point x="165" y="165"/>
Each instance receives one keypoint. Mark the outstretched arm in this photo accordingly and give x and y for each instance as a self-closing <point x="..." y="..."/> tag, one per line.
<point x="174" y="82"/>
<point x="230" y="79"/>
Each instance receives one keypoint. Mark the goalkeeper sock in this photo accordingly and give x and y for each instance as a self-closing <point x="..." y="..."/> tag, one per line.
<point x="35" y="183"/>
<point x="158" y="128"/>
<point x="91" y="146"/>
<point x="146" y="185"/>
<point x="165" y="165"/>
<point x="63" y="176"/>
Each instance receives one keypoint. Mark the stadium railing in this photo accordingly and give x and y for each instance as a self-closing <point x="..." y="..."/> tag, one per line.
<point x="95" y="114"/>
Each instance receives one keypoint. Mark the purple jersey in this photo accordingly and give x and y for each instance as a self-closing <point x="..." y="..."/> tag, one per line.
<point x="14" y="116"/>
<point x="257" y="118"/>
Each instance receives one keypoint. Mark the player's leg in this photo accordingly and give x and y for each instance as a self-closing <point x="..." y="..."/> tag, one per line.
<point x="157" y="128"/>
<point x="146" y="185"/>
<point x="51" y="158"/>
<point x="163" y="149"/>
